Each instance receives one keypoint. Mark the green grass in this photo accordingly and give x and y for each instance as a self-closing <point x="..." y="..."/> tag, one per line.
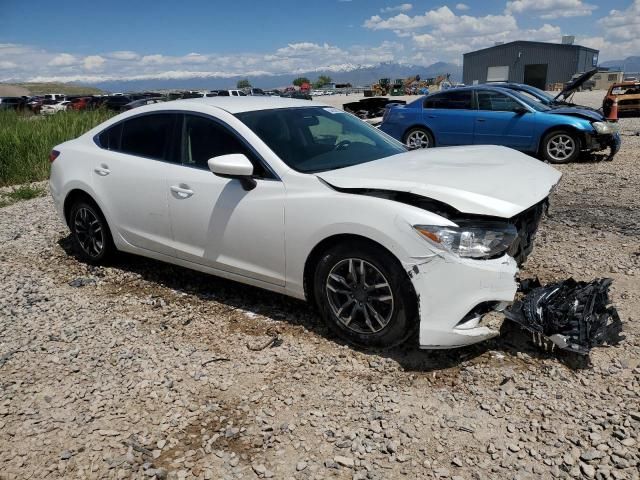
<point x="25" y="141"/>
<point x="65" y="88"/>
<point x="23" y="192"/>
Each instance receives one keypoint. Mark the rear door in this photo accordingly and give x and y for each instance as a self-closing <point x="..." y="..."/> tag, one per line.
<point x="129" y="176"/>
<point x="502" y="120"/>
<point x="450" y="116"/>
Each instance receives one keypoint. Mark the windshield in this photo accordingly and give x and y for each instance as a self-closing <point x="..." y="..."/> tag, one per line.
<point x="540" y="107"/>
<point x="315" y="139"/>
<point x="540" y="94"/>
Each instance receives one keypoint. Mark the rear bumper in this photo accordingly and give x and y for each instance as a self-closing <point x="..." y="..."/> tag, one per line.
<point x="455" y="294"/>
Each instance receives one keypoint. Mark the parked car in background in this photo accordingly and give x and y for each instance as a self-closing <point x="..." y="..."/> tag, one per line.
<point x="237" y="93"/>
<point x="141" y="103"/>
<point x="51" y="107"/>
<point x="79" y="103"/>
<point x="117" y="102"/>
<point x="12" y="103"/>
<point x="58" y="97"/>
<point x="628" y="95"/>
<point x="487" y="115"/>
<point x="309" y="201"/>
<point x="254" y="91"/>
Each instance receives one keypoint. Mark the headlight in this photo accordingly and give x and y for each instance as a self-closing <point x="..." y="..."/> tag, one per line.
<point x="605" y="127"/>
<point x="472" y="241"/>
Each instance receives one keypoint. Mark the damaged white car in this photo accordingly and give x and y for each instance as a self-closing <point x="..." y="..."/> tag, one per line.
<point x="309" y="201"/>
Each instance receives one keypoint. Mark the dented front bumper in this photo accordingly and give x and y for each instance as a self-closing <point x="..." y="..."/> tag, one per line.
<point x="455" y="293"/>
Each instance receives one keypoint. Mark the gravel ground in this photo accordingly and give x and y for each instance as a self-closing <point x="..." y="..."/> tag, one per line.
<point x="143" y="369"/>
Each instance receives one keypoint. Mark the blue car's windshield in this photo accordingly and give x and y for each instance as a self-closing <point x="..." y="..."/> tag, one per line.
<point x="314" y="139"/>
<point x="540" y="107"/>
<point x="541" y="94"/>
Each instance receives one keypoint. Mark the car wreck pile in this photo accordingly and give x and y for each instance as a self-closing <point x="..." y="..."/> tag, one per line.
<point x="574" y="316"/>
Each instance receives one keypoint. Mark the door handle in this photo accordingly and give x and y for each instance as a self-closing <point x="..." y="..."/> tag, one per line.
<point x="431" y="116"/>
<point x="181" y="191"/>
<point x="481" y="120"/>
<point x="102" y="170"/>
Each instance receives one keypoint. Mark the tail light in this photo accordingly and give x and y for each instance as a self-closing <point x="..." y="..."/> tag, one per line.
<point x="53" y="155"/>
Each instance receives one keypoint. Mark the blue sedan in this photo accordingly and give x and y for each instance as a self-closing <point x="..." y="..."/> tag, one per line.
<point x="486" y="115"/>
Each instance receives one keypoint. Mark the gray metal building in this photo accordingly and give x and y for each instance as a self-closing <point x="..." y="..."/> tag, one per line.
<point x="535" y="63"/>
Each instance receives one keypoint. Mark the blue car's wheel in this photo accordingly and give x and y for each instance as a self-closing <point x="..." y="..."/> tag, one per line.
<point x="560" y="146"/>
<point x="418" y="138"/>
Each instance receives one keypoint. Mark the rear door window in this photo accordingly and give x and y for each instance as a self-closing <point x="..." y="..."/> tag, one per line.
<point x="148" y="136"/>
<point x="460" y="100"/>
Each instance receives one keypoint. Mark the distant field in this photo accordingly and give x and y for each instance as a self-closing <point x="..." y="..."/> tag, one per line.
<point x="25" y="141"/>
<point x="65" y="88"/>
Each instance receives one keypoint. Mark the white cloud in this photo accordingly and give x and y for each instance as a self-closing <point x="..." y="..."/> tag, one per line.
<point x="6" y="65"/>
<point x="550" y="9"/>
<point x="403" y="7"/>
<point x="124" y="55"/>
<point x="463" y="7"/>
<point x="63" y="60"/>
<point x="93" y="62"/>
<point x="444" y="21"/>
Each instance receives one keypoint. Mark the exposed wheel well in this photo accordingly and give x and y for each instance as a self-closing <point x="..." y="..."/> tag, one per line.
<point x="561" y="128"/>
<point x="423" y="127"/>
<point x="72" y="197"/>
<point x="326" y="244"/>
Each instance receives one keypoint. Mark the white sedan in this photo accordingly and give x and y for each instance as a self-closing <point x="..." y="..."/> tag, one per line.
<point x="309" y="201"/>
<point x="52" y="107"/>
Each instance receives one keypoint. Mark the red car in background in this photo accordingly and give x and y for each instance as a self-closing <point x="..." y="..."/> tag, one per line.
<point x="80" y="103"/>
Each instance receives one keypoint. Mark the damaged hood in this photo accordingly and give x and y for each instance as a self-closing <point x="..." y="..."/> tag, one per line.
<point x="576" y="83"/>
<point x="482" y="180"/>
<point x="587" y="114"/>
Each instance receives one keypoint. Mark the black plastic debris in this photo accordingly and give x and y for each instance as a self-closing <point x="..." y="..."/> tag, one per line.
<point x="574" y="316"/>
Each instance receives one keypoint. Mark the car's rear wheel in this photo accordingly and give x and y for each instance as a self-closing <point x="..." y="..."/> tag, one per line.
<point x="365" y="296"/>
<point x="418" y="138"/>
<point x="90" y="233"/>
<point x="560" y="146"/>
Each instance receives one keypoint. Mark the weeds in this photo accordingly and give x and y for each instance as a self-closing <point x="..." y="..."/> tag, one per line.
<point x="23" y="192"/>
<point x="25" y="141"/>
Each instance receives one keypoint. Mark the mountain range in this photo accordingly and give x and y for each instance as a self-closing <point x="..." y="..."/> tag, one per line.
<point x="629" y="64"/>
<point x="356" y="75"/>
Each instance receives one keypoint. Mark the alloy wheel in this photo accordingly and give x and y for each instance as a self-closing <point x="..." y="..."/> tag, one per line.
<point x="418" y="139"/>
<point x="359" y="295"/>
<point x="560" y="147"/>
<point x="89" y="232"/>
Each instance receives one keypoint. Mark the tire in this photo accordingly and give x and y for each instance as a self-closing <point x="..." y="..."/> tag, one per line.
<point x="419" y="138"/>
<point x="90" y="233"/>
<point x="560" y="146"/>
<point x="391" y="311"/>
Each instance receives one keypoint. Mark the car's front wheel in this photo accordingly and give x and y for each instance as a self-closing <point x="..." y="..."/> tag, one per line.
<point x="90" y="233"/>
<point x="418" y="138"/>
<point x="365" y="296"/>
<point x="560" y="146"/>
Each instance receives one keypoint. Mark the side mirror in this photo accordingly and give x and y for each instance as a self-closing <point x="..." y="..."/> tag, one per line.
<point x="234" y="165"/>
<point x="520" y="111"/>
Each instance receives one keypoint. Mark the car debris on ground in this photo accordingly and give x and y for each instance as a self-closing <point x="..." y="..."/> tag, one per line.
<point x="571" y="315"/>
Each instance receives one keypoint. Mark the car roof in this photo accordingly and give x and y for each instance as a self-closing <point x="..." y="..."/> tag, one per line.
<point x="235" y="105"/>
<point x="482" y="86"/>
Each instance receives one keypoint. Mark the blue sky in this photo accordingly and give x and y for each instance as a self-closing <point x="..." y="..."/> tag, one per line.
<point x="70" y="40"/>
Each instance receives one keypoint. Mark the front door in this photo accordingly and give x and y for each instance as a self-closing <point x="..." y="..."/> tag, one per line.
<point x="216" y="222"/>
<point x="501" y="120"/>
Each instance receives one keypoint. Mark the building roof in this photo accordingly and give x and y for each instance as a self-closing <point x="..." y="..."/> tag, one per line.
<point x="529" y="43"/>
